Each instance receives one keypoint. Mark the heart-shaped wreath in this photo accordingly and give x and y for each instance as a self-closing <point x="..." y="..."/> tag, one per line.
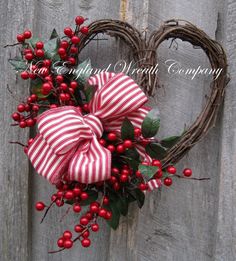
<point x="96" y="138"/>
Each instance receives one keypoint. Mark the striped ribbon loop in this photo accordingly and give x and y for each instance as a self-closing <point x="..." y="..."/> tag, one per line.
<point x="67" y="142"/>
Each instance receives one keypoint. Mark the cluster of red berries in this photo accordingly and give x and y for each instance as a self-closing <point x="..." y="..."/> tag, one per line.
<point x="61" y="88"/>
<point x="74" y="193"/>
<point x="26" y="113"/>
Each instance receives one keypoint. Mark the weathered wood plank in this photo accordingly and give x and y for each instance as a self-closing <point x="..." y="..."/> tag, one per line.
<point x="225" y="248"/>
<point x="15" y="16"/>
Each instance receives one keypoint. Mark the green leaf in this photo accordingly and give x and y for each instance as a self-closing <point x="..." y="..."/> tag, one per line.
<point x="18" y="63"/>
<point x="170" y="141"/>
<point x="93" y="195"/>
<point x="132" y="153"/>
<point x="122" y="205"/>
<point x="50" y="48"/>
<point x="151" y="124"/>
<point x="115" y="219"/>
<point x="82" y="72"/>
<point x="89" y="92"/>
<point x="155" y="150"/>
<point x="132" y="158"/>
<point x="139" y="196"/>
<point x="147" y="171"/>
<point x="127" y="130"/>
<point x="54" y="34"/>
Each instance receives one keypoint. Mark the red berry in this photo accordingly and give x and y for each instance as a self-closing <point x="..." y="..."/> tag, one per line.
<point x="59" y="202"/>
<point x="128" y="144"/>
<point x="68" y="31"/>
<point x="77" y="208"/>
<point x="63" y="97"/>
<point x="171" y="169"/>
<point x="116" y="186"/>
<point x="120" y="148"/>
<point x="79" y="20"/>
<point x="86" y="107"/>
<point x="27" y="34"/>
<point x="27" y="51"/>
<point x="59" y="78"/>
<point x="105" y="200"/>
<point x="102" y="142"/>
<point x="60" y="242"/>
<point x="86" y="242"/>
<point x="69" y="195"/>
<point x="21" y="108"/>
<point x="137" y="132"/>
<point x="115" y="171"/>
<point x="78" y="228"/>
<point x="113" y="180"/>
<point x="75" y="39"/>
<point x="143" y="186"/>
<point x="108" y="215"/>
<point x="72" y="60"/>
<point x="102" y="212"/>
<point x="95" y="227"/>
<point x="123" y="178"/>
<point x="159" y="174"/>
<point x="125" y="172"/>
<point x="168" y="181"/>
<point x="156" y="163"/>
<point x="64" y="44"/>
<point x="53" y="197"/>
<point x="67" y="235"/>
<point x="40" y="206"/>
<point x="29" y="56"/>
<point x="111" y="148"/>
<point x="84" y="195"/>
<point x="35" y="108"/>
<point x="22" y="124"/>
<point x="73" y="84"/>
<point x="46" y="88"/>
<point x="15" y="116"/>
<point x="63" y="86"/>
<point x="74" y="49"/>
<point x="112" y="136"/>
<point x="61" y="51"/>
<point x="138" y="174"/>
<point x="85" y="234"/>
<point x="39" y="45"/>
<point x="68" y="244"/>
<point x="24" y="75"/>
<point x="47" y="63"/>
<point x="94" y="208"/>
<point x="39" y="53"/>
<point x="30" y="122"/>
<point x="77" y="191"/>
<point x="20" y="38"/>
<point x="187" y="172"/>
<point x="84" y="221"/>
<point x="84" y="30"/>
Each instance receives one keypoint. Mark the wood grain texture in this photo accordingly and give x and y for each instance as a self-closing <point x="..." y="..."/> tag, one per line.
<point x="225" y="248"/>
<point x="15" y="16"/>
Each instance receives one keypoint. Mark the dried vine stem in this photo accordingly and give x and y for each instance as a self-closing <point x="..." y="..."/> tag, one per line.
<point x="144" y="53"/>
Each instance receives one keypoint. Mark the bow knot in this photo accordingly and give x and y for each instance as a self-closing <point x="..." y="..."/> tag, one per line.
<point x="67" y="143"/>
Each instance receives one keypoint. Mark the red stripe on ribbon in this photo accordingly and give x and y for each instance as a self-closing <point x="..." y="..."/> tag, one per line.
<point x="68" y="141"/>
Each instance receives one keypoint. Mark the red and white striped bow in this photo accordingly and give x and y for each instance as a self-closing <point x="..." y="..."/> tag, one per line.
<point x="68" y="141"/>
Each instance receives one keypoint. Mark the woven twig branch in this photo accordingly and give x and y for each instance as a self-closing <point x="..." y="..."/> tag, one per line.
<point x="144" y="53"/>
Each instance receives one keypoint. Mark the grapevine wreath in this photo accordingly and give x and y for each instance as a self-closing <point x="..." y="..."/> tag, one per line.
<point x="96" y="138"/>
